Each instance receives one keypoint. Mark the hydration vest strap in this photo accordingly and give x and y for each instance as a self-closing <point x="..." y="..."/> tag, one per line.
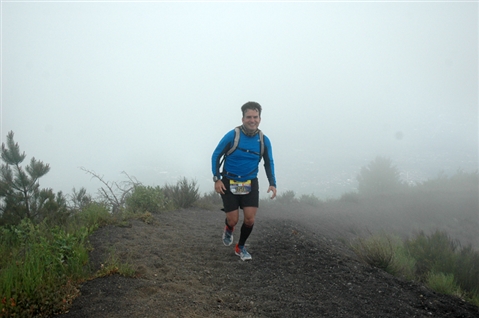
<point x="235" y="146"/>
<point x="236" y="142"/>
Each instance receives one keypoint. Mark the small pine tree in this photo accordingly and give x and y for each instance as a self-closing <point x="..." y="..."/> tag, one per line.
<point x="379" y="177"/>
<point x="20" y="190"/>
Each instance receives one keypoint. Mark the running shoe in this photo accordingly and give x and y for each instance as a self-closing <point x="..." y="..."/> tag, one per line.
<point x="242" y="253"/>
<point x="227" y="237"/>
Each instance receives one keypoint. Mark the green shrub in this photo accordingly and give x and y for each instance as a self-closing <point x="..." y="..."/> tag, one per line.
<point x="459" y="182"/>
<point x="352" y="197"/>
<point x="184" y="194"/>
<point x="113" y="265"/>
<point x="376" y="250"/>
<point x="444" y="266"/>
<point x="403" y="263"/>
<point x="42" y="263"/>
<point x="443" y="283"/>
<point x="210" y="201"/>
<point x="379" y="177"/>
<point x="433" y="253"/>
<point x="79" y="200"/>
<point x="310" y="199"/>
<point x="385" y="252"/>
<point x="467" y="271"/>
<point x="287" y="197"/>
<point x="20" y="191"/>
<point x="147" y="199"/>
<point x="473" y="299"/>
<point x="94" y="215"/>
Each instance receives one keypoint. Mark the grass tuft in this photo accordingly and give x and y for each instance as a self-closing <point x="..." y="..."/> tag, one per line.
<point x="184" y="194"/>
<point x="147" y="199"/>
<point x="443" y="283"/>
<point x="210" y="201"/>
<point x="113" y="266"/>
<point x="378" y="251"/>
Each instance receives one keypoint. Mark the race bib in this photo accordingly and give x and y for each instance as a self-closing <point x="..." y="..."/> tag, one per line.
<point x="240" y="187"/>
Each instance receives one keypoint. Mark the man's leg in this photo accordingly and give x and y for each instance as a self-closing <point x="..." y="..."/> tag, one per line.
<point x="232" y="218"/>
<point x="230" y="223"/>
<point x="247" y="227"/>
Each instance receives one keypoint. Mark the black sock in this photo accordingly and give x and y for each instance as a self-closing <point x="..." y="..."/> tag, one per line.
<point x="245" y="232"/>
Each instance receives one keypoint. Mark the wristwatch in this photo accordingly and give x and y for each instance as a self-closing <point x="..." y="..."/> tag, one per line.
<point x="215" y="178"/>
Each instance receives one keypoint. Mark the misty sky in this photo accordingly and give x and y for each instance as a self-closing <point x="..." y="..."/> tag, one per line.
<point x="150" y="87"/>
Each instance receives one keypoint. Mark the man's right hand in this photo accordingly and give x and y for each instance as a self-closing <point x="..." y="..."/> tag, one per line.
<point x="220" y="187"/>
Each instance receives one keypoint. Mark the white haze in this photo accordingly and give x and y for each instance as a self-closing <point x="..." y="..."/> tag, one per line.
<point x="149" y="88"/>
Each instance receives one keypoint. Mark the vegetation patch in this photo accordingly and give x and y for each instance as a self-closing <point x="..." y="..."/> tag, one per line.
<point x="435" y="260"/>
<point x="114" y="266"/>
<point x="184" y="194"/>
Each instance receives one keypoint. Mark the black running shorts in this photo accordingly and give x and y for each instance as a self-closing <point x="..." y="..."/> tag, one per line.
<point x="232" y="202"/>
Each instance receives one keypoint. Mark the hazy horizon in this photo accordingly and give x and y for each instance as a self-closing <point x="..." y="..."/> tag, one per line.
<point x="150" y="88"/>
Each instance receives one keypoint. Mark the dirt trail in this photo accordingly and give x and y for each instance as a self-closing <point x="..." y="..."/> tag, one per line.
<point x="297" y="271"/>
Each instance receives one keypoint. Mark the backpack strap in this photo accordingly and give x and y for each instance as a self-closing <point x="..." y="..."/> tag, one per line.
<point x="261" y="141"/>
<point x="235" y="141"/>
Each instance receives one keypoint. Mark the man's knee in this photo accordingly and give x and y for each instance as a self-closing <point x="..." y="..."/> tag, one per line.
<point x="232" y="218"/>
<point x="249" y="223"/>
<point x="249" y="215"/>
<point x="249" y="220"/>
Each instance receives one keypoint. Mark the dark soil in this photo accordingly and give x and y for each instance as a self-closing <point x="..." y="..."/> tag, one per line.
<point x="299" y="269"/>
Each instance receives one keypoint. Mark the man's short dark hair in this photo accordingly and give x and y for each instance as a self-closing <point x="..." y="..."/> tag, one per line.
<point x="252" y="106"/>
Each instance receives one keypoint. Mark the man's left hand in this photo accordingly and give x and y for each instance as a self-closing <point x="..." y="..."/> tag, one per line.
<point x="271" y="188"/>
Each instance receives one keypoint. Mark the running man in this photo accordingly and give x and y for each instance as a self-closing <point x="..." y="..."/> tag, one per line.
<point x="238" y="182"/>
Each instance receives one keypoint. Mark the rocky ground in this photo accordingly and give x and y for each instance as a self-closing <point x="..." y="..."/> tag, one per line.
<point x="299" y="269"/>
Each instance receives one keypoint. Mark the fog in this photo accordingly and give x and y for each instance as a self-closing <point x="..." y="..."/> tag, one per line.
<point x="150" y="88"/>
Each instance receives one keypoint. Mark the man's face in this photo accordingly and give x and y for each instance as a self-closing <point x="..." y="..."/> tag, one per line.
<point x="251" y="119"/>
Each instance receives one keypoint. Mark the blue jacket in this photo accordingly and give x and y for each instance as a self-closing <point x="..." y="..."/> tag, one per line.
<point x="243" y="165"/>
